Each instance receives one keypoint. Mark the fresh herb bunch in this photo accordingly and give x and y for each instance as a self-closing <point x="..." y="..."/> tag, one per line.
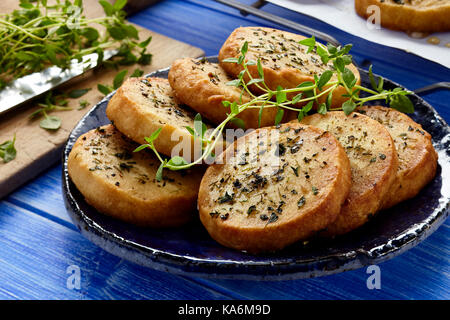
<point x="306" y="95"/>
<point x="40" y="34"/>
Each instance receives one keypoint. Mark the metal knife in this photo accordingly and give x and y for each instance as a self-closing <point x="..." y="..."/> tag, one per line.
<point x="33" y="85"/>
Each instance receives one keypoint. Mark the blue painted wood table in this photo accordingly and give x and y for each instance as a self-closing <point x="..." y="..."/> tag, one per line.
<point x="40" y="247"/>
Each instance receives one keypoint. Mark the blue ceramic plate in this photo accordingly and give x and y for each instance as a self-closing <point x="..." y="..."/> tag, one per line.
<point x="190" y="251"/>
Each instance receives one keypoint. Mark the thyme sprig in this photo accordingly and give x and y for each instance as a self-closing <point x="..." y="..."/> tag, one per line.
<point x="300" y="99"/>
<point x="40" y="34"/>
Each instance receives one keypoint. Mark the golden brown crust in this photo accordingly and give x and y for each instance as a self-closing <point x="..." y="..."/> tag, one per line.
<point x="202" y="85"/>
<point x="373" y="161"/>
<point x="415" y="15"/>
<point x="285" y="62"/>
<point x="416" y="154"/>
<point x="249" y="203"/>
<point x="121" y="184"/>
<point x="142" y="106"/>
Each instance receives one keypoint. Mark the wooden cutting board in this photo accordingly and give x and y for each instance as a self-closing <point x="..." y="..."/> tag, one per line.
<point x="37" y="148"/>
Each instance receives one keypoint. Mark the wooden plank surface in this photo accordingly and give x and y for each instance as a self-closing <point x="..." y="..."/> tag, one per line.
<point x="38" y="149"/>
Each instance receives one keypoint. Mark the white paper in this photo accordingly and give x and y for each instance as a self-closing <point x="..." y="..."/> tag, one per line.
<point x="342" y="15"/>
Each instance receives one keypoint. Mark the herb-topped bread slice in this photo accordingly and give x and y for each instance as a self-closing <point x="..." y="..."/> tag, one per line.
<point x="409" y="15"/>
<point x="284" y="61"/>
<point x="373" y="161"/>
<point x="141" y="106"/>
<point x="121" y="183"/>
<point x="277" y="185"/>
<point x="417" y="157"/>
<point x="203" y="86"/>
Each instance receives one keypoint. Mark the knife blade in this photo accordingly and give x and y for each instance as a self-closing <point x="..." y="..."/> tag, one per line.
<point x="33" y="85"/>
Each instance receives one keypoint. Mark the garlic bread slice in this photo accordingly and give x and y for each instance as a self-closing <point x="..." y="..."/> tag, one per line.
<point x="276" y="186"/>
<point x="409" y="15"/>
<point x="416" y="155"/>
<point x="141" y="106"/>
<point x="373" y="162"/>
<point x="120" y="183"/>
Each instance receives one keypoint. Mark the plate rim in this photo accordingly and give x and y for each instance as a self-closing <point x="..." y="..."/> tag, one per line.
<point x="231" y="269"/>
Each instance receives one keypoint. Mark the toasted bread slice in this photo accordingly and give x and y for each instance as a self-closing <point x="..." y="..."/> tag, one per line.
<point x="121" y="184"/>
<point x="409" y="15"/>
<point x="141" y="106"/>
<point x="277" y="186"/>
<point x="417" y="157"/>
<point x="373" y="160"/>
<point x="203" y="86"/>
<point x="285" y="62"/>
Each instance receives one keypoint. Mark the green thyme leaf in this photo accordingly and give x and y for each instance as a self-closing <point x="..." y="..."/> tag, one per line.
<point x="119" y="4"/>
<point x="141" y="147"/>
<point x="137" y="73"/>
<point x="401" y="103"/>
<point x="238" y="122"/>
<point x="346" y="49"/>
<point x="253" y="81"/>
<point x="322" y="108"/>
<point x="234" y="107"/>
<point x="230" y="60"/>
<point x="323" y="54"/>
<point x="50" y="123"/>
<point x="83" y="104"/>
<point x="308" y="107"/>
<point x="145" y="43"/>
<point x="107" y="7"/>
<point x="118" y="79"/>
<point x="104" y="89"/>
<point x="261" y="109"/>
<point x="177" y="161"/>
<point x="234" y="83"/>
<point x="331" y="49"/>
<point x="191" y="131"/>
<point x="77" y="93"/>
<point x="324" y="78"/>
<point x="305" y="84"/>
<point x="199" y="127"/>
<point x="159" y="172"/>
<point x="373" y="82"/>
<point x="339" y="64"/>
<point x="349" y="78"/>
<point x="380" y="84"/>
<point x="153" y="136"/>
<point x="297" y="98"/>
<point x="309" y="42"/>
<point x="304" y="112"/>
<point x="280" y="95"/>
<point x="348" y="106"/>
<point x="244" y="48"/>
<point x="279" y="116"/>
<point x="7" y="150"/>
<point x="260" y="69"/>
